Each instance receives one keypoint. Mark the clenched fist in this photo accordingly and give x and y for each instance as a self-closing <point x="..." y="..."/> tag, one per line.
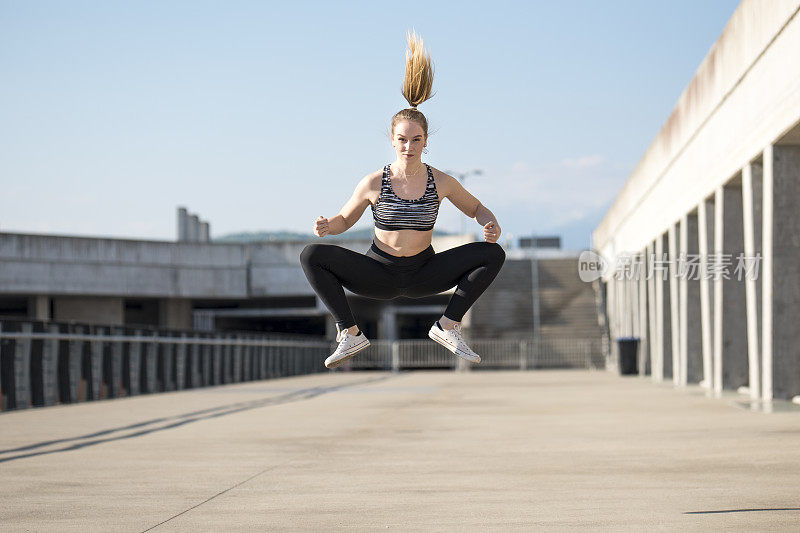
<point x="321" y="226"/>
<point x="491" y="231"/>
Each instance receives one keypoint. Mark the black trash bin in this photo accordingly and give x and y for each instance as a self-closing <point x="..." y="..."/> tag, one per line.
<point x="628" y="351"/>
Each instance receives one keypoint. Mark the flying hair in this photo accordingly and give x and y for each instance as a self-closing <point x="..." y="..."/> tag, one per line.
<point x="418" y="82"/>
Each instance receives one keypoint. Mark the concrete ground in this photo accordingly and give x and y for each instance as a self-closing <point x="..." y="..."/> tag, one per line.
<point x="423" y="451"/>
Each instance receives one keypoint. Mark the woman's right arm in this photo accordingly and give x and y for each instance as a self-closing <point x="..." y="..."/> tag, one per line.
<point x="356" y="205"/>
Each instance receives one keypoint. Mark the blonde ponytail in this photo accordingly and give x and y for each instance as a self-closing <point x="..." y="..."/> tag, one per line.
<point x="418" y="83"/>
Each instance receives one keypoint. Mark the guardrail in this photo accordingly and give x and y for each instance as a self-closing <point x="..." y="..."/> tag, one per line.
<point x="45" y="363"/>
<point x="48" y="363"/>
<point x="496" y="354"/>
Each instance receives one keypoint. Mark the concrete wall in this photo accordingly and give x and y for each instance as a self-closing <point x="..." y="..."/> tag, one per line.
<point x="125" y="281"/>
<point x="746" y="94"/>
<point x="61" y="265"/>
<point x="723" y="175"/>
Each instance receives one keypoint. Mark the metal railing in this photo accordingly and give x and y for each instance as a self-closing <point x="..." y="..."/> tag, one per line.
<point x="496" y="354"/>
<point x="45" y="363"/>
<point x="49" y="363"/>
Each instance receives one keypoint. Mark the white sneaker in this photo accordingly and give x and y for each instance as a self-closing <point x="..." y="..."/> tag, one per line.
<point x="452" y="340"/>
<point x="349" y="345"/>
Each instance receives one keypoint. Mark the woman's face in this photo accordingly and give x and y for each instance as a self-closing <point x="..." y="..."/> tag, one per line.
<point x="408" y="140"/>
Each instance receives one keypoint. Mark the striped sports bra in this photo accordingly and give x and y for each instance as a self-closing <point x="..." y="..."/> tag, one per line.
<point x="394" y="213"/>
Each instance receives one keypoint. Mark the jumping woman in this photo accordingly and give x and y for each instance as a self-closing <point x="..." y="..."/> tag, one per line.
<point x="405" y="197"/>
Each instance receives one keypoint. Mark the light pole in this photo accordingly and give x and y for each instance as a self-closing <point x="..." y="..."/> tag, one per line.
<point x="462" y="176"/>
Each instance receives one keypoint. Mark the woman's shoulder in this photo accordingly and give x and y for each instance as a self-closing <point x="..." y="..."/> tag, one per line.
<point x="439" y="173"/>
<point x="369" y="186"/>
<point x="372" y="179"/>
<point x="441" y="178"/>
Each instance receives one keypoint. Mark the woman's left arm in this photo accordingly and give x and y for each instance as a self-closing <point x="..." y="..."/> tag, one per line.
<point x="468" y="204"/>
<point x="491" y="229"/>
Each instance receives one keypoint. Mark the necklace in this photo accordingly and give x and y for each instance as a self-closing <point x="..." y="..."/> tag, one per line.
<point x="406" y="176"/>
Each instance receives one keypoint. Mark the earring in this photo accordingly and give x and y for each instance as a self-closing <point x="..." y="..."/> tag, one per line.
<point x="425" y="150"/>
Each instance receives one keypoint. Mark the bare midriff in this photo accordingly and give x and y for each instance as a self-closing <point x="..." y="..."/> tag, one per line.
<point x="404" y="242"/>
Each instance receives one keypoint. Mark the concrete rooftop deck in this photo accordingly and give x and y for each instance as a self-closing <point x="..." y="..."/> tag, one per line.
<point x="433" y="451"/>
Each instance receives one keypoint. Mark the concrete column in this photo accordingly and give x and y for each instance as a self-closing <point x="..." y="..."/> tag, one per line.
<point x="674" y="307"/>
<point x="39" y="308"/>
<point x="704" y="229"/>
<point x="660" y="268"/>
<point x="644" y="346"/>
<point x="92" y="310"/>
<point x="624" y="306"/>
<point x="617" y="322"/>
<point x="733" y="315"/>
<point x="664" y="309"/>
<point x="757" y="171"/>
<point x="205" y="232"/>
<point x="767" y="277"/>
<point x="175" y="313"/>
<point x="691" y="345"/>
<point x="717" y="282"/>
<point x="633" y="304"/>
<point x="388" y="323"/>
<point x="653" y="339"/>
<point x="611" y="308"/>
<point x="751" y="304"/>
<point x="622" y="320"/>
<point x="611" y="312"/>
<point x="183" y="225"/>
<point x="194" y="228"/>
<point x="683" y="315"/>
<point x="781" y="273"/>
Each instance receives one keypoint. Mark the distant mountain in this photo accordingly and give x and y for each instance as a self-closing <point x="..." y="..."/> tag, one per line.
<point x="261" y="236"/>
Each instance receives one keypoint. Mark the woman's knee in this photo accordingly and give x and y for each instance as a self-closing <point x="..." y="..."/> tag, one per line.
<point x="312" y="253"/>
<point x="495" y="252"/>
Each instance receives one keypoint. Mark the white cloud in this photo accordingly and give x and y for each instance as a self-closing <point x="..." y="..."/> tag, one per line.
<point x="546" y="195"/>
<point x="586" y="161"/>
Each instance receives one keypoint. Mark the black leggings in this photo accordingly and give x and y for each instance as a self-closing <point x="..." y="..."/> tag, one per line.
<point x="377" y="274"/>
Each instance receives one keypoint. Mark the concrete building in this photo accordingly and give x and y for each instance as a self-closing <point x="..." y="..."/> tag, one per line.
<point x="185" y="285"/>
<point x="710" y="215"/>
<point x="261" y="287"/>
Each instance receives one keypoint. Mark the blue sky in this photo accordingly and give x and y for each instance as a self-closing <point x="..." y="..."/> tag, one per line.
<point x="262" y="116"/>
